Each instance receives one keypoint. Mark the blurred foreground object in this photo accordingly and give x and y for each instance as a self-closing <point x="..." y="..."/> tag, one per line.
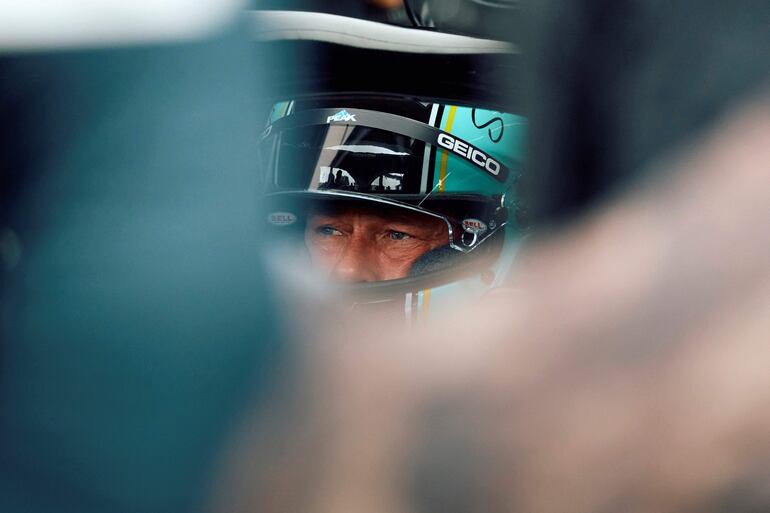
<point x="613" y="86"/>
<point x="133" y="313"/>
<point x="35" y="25"/>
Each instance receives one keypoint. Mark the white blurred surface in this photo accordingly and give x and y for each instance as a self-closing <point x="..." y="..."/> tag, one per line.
<point x="331" y="28"/>
<point x="29" y="25"/>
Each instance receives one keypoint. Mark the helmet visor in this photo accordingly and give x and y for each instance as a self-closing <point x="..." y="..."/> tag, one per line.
<point x="346" y="158"/>
<point x="356" y="162"/>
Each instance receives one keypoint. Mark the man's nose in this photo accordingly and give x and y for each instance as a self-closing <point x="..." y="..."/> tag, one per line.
<point x="356" y="262"/>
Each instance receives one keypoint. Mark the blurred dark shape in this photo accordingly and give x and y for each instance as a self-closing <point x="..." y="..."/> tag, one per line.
<point x="616" y="86"/>
<point x="135" y="313"/>
<point x="493" y="19"/>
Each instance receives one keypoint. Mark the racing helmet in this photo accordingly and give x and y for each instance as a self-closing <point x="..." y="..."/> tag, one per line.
<point x="455" y="164"/>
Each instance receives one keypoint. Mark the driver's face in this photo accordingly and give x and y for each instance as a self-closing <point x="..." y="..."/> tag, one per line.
<point x="358" y="245"/>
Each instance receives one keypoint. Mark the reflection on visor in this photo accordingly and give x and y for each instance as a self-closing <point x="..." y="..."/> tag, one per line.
<point x="339" y="179"/>
<point x="366" y="148"/>
<point x="346" y="158"/>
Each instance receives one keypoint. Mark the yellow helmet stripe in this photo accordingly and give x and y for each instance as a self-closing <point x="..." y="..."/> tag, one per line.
<point x="444" y="153"/>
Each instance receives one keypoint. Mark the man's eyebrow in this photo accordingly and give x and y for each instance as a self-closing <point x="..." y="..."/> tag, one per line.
<point x="388" y="216"/>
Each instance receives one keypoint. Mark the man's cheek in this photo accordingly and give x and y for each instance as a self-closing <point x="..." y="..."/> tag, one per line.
<point x="398" y="260"/>
<point x="323" y="253"/>
<point x="393" y="269"/>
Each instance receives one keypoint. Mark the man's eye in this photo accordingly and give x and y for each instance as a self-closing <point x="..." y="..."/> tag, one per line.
<point x="394" y="235"/>
<point x="328" y="231"/>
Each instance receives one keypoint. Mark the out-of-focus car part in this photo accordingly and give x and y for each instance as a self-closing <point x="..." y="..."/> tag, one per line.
<point x="482" y="18"/>
<point x="312" y="53"/>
